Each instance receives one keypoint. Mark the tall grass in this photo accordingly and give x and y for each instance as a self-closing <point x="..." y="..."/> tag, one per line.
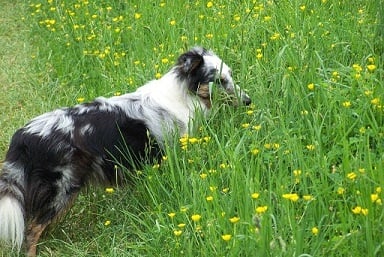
<point x="299" y="173"/>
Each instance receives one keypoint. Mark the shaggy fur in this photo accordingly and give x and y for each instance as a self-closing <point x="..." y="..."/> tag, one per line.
<point x="58" y="153"/>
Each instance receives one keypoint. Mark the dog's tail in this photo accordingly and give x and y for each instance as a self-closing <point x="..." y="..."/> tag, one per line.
<point x="12" y="206"/>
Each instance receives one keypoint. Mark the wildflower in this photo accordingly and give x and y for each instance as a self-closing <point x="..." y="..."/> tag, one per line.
<point x="171" y="215"/>
<point x="184" y="209"/>
<point x="378" y="189"/>
<point x="297" y="173"/>
<point x="302" y="8"/>
<point x="249" y="112"/>
<point x="209" y="4"/>
<point x="256" y="127"/>
<point x="245" y="125"/>
<point x="267" y="18"/>
<point x="196" y="217"/>
<point x="172" y="22"/>
<point x="255" y="151"/>
<point x="375" y="101"/>
<point x="275" y="36"/>
<point x="80" y="99"/>
<point x="261" y="209"/>
<point x="236" y="17"/>
<point x="177" y="232"/>
<point x="356" y="210"/>
<point x="203" y="175"/>
<point x="371" y="67"/>
<point x="181" y="225"/>
<point x="293" y="197"/>
<point x="209" y="35"/>
<point x="209" y="198"/>
<point x="364" y="211"/>
<point x="315" y="231"/>
<point x="307" y="197"/>
<point x="226" y="237"/>
<point x="310" y="147"/>
<point x="346" y="104"/>
<point x="255" y="195"/>
<point x="223" y="165"/>
<point x="340" y="190"/>
<point x="352" y="176"/>
<point x="362" y="130"/>
<point x="374" y="197"/>
<point x="357" y="67"/>
<point x="137" y="16"/>
<point x="107" y="223"/>
<point x="109" y="190"/>
<point x="234" y="219"/>
<point x="311" y="86"/>
<point x="225" y="190"/>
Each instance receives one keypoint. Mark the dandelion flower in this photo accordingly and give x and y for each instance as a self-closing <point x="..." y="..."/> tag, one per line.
<point x="347" y="104"/>
<point x="255" y="195"/>
<point x="107" y="223"/>
<point x="311" y="86"/>
<point x="137" y="16"/>
<point x="374" y="197"/>
<point x="209" y="4"/>
<point x="209" y="198"/>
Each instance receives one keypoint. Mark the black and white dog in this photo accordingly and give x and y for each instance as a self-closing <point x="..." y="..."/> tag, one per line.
<point x="57" y="153"/>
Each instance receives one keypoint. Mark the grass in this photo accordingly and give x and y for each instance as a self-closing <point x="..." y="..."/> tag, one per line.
<point x="299" y="173"/>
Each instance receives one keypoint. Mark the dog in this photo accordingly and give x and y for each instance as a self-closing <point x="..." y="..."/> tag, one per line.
<point x="58" y="153"/>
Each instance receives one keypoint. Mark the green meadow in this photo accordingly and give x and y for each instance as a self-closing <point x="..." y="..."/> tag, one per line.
<point x="300" y="172"/>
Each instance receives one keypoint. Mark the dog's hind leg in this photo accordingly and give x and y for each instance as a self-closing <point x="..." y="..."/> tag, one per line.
<point x="38" y="224"/>
<point x="49" y="195"/>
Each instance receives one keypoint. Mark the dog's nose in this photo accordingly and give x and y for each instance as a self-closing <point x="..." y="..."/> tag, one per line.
<point x="246" y="99"/>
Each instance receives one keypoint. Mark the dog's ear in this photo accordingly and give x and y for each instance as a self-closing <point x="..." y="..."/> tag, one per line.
<point x="190" y="61"/>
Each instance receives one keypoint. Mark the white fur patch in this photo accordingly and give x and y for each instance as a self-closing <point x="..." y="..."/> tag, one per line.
<point x="11" y="221"/>
<point x="44" y="125"/>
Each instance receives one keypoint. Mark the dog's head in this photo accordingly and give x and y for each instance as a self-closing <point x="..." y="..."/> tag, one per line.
<point x="202" y="69"/>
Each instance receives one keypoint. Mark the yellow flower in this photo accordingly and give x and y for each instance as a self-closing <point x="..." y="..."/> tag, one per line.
<point x="346" y="104"/>
<point x="261" y="209"/>
<point x="181" y="225"/>
<point x="307" y="197"/>
<point x="255" y="151"/>
<point x="357" y="67"/>
<point x="310" y="147"/>
<point x="340" y="190"/>
<point x="315" y="231"/>
<point x="256" y="127"/>
<point x="255" y="195"/>
<point x="107" y="223"/>
<point x="364" y="211"/>
<point x="245" y="125"/>
<point x="171" y="214"/>
<point x="293" y="197"/>
<point x="311" y="86"/>
<point x="297" y="173"/>
<point x="375" y="101"/>
<point x="209" y="198"/>
<point x="352" y="176"/>
<point x="374" y="197"/>
<point x="234" y="219"/>
<point x="137" y="16"/>
<point x="177" y="232"/>
<point x="226" y="237"/>
<point x="356" y="210"/>
<point x="209" y="4"/>
<point x="80" y="99"/>
<point x="196" y="217"/>
<point x="302" y="7"/>
<point x="109" y="190"/>
<point x="371" y="67"/>
<point x="203" y="175"/>
<point x="172" y="22"/>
